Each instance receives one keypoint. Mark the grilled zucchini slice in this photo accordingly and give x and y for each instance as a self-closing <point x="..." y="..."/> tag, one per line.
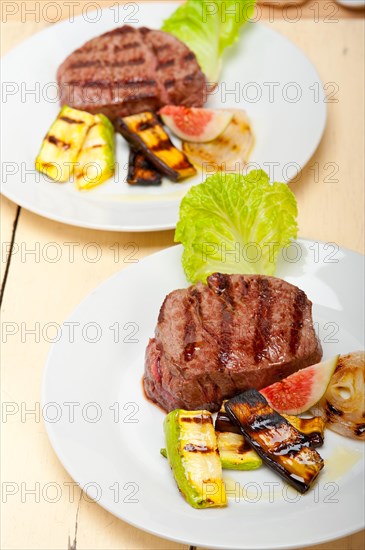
<point x="62" y="144"/>
<point x="141" y="171"/>
<point x="280" y="445"/>
<point x="191" y="447"/>
<point x="146" y="134"/>
<point x="235" y="453"/>
<point x="96" y="161"/>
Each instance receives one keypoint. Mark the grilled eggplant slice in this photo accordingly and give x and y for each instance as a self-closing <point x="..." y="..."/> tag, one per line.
<point x="62" y="144"/>
<point x="280" y="445"/>
<point x="191" y="447"/>
<point x="235" y="453"/>
<point x="141" y="171"/>
<point x="146" y="134"/>
<point x="313" y="427"/>
<point x="223" y="423"/>
<point x="96" y="161"/>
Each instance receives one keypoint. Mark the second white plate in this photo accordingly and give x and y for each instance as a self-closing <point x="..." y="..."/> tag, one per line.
<point x="265" y="74"/>
<point x="108" y="436"/>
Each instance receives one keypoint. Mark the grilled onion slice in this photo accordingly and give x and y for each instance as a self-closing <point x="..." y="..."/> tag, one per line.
<point x="229" y="151"/>
<point x="343" y="405"/>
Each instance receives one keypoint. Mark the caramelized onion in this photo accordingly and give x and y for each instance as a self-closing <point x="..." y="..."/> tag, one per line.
<point x="343" y="405"/>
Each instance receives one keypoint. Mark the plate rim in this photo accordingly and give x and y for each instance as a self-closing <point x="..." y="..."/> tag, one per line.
<point x="57" y="448"/>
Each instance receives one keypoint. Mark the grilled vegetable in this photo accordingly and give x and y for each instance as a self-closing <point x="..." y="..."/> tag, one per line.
<point x="191" y="447"/>
<point x="313" y="427"/>
<point x="62" y="144"/>
<point x="145" y="133"/>
<point x="279" y="444"/>
<point x="224" y="424"/>
<point x="141" y="171"/>
<point x="235" y="453"/>
<point x="229" y="151"/>
<point x="343" y="405"/>
<point x="96" y="161"/>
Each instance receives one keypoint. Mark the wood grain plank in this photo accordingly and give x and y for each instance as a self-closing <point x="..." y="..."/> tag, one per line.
<point x="39" y="292"/>
<point x="8" y="215"/>
<point x="352" y="542"/>
<point x="330" y="190"/>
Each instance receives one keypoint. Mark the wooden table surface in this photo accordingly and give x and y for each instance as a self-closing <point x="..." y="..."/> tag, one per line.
<point x="36" y="292"/>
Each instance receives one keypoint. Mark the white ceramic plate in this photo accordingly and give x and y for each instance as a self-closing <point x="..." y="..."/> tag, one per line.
<point x="111" y="444"/>
<point x="266" y="71"/>
<point x="352" y="3"/>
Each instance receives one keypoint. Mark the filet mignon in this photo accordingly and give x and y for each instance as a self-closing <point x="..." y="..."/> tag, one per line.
<point x="130" y="70"/>
<point x="237" y="332"/>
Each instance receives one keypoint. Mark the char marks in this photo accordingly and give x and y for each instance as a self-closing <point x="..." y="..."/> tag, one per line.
<point x="166" y="64"/>
<point x="189" y="77"/>
<point x="145" y="125"/>
<point x="125" y="82"/>
<point x="224" y="291"/>
<point x="263" y="319"/>
<point x="202" y="419"/>
<point x="331" y="411"/>
<point x="194" y="448"/>
<point x="58" y="142"/>
<point x="190" y="332"/>
<point x="163" y="144"/>
<point x="359" y="430"/>
<point x="128" y="46"/>
<point x="300" y="301"/>
<point x="71" y="120"/>
<point x="189" y="56"/>
<point x="169" y="83"/>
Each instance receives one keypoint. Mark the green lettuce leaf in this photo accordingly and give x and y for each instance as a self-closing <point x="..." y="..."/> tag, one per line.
<point x="208" y="27"/>
<point x="235" y="224"/>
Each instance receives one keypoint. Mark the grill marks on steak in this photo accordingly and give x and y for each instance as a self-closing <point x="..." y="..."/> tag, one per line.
<point x="129" y="70"/>
<point x="297" y="324"/>
<point x="263" y="319"/>
<point x="237" y="332"/>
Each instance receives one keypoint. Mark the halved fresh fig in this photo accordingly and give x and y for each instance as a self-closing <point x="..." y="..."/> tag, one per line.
<point x="301" y="390"/>
<point x="193" y="124"/>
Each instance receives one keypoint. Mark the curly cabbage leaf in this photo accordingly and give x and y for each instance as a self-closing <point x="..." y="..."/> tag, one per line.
<point x="235" y="224"/>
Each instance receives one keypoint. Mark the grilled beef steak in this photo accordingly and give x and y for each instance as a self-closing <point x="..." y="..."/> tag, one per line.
<point x="237" y="332"/>
<point x="130" y="70"/>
